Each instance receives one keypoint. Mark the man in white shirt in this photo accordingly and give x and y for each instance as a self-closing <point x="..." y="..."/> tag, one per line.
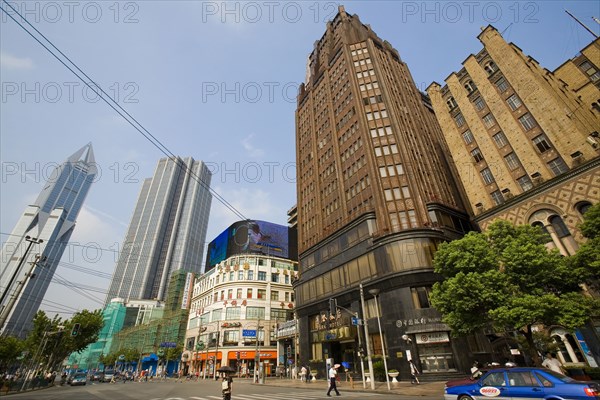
<point x="553" y="364"/>
<point x="332" y="378"/>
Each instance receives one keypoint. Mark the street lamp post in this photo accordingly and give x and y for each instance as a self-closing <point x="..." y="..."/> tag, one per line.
<point x="375" y="292"/>
<point x="366" y="325"/>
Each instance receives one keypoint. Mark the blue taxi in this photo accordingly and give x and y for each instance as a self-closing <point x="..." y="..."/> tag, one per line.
<point x="521" y="384"/>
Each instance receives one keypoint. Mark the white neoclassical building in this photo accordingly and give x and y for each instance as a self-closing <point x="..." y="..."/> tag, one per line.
<point x="235" y="310"/>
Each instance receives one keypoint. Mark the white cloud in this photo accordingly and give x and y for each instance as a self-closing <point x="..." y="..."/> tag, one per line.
<point x="252" y="150"/>
<point x="9" y="61"/>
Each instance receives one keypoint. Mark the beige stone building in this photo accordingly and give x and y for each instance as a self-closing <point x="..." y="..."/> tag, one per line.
<point x="525" y="142"/>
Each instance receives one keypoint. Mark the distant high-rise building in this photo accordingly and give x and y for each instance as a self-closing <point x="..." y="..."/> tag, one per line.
<point x="375" y="197"/>
<point x="40" y="237"/>
<point x="167" y="230"/>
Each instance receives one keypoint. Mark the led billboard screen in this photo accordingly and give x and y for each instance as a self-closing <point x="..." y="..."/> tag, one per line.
<point x="258" y="237"/>
<point x="217" y="250"/>
<point x="252" y="237"/>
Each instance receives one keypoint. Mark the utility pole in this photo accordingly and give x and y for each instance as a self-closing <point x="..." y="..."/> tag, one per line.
<point x="366" y="325"/>
<point x="206" y="361"/>
<point x="217" y="352"/>
<point x="362" y="364"/>
<point x="375" y="292"/>
<point x="20" y="284"/>
<point x="257" y="354"/>
<point x="198" y="342"/>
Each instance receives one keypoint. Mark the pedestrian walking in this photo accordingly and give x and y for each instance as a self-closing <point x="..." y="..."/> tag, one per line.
<point x="226" y="387"/>
<point x="475" y="371"/>
<point x="554" y="364"/>
<point x="332" y="380"/>
<point x="414" y="371"/>
<point x="303" y="372"/>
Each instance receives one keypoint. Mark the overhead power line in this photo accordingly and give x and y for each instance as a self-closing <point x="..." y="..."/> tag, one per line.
<point x="117" y="108"/>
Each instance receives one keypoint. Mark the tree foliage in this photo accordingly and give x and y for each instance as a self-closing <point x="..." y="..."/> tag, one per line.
<point x="11" y="349"/>
<point x="173" y="353"/>
<point x="508" y="279"/>
<point x="586" y="263"/>
<point x="52" y="341"/>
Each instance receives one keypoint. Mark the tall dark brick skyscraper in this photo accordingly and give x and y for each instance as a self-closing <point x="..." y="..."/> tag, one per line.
<point x="375" y="197"/>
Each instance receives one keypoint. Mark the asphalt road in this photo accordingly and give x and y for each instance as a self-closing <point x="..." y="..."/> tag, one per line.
<point x="201" y="390"/>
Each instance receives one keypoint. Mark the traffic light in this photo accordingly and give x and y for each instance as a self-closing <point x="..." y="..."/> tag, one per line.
<point x="237" y="355"/>
<point x="75" y="330"/>
<point x="361" y="352"/>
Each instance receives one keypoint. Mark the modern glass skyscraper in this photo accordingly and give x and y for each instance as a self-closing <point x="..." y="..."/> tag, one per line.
<point x="41" y="236"/>
<point x="167" y="230"/>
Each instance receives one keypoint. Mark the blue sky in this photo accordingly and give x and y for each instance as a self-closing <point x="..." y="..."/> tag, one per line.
<point x="211" y="80"/>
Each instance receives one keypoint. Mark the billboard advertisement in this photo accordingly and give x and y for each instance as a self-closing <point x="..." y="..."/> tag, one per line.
<point x="217" y="250"/>
<point x="252" y="237"/>
<point x="258" y="237"/>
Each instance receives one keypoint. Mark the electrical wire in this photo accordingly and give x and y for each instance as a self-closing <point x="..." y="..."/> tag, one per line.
<point x="137" y="125"/>
<point x="119" y="253"/>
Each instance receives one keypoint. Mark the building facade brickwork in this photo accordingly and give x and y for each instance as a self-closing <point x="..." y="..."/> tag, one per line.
<point x="526" y="144"/>
<point x="375" y="196"/>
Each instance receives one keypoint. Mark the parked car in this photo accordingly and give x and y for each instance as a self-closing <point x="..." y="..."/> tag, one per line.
<point x="97" y="376"/>
<point x="467" y="380"/>
<point x="108" y="375"/>
<point x="523" y="383"/>
<point x="79" y="378"/>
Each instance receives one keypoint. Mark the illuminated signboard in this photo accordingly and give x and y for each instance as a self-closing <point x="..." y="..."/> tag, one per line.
<point x="252" y="237"/>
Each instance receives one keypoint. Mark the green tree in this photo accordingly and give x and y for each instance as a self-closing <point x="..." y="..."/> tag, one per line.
<point x="109" y="359"/>
<point x="11" y="349"/>
<point x="52" y="339"/>
<point x="586" y="262"/>
<point x="173" y="353"/>
<point x="131" y="354"/>
<point x="507" y="278"/>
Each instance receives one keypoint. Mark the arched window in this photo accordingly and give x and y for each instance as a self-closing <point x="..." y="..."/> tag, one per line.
<point x="451" y="103"/>
<point x="490" y="67"/>
<point x="559" y="226"/>
<point x="470" y="86"/>
<point x="562" y="349"/>
<point x="583" y="206"/>
<point x="539" y="224"/>
<point x="573" y="342"/>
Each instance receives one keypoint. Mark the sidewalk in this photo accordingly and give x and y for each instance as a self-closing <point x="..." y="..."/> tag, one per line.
<point x="403" y="387"/>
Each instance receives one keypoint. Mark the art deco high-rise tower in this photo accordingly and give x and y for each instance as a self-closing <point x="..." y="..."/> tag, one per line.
<point x="42" y="233"/>
<point x="375" y="196"/>
<point x="167" y="230"/>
